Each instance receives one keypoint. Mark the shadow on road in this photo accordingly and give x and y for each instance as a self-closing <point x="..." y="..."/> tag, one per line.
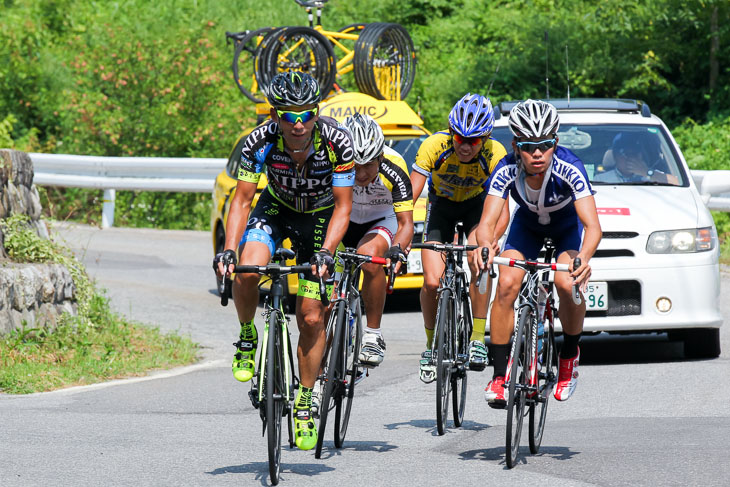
<point x="497" y="454"/>
<point x="262" y="470"/>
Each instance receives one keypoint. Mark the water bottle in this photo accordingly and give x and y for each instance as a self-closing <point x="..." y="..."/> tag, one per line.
<point x="541" y="303"/>
<point x="350" y="337"/>
<point x="540" y="335"/>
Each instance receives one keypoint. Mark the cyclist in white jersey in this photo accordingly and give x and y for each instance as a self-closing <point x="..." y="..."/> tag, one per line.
<point x="381" y="221"/>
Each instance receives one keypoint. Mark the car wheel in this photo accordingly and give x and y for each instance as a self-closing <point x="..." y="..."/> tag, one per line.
<point x="702" y="343"/>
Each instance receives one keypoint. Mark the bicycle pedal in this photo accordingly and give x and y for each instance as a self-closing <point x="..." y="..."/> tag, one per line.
<point x="253" y="394"/>
<point x="360" y="375"/>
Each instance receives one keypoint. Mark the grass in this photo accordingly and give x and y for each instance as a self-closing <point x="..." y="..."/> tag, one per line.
<point x="95" y="345"/>
<point x="77" y="352"/>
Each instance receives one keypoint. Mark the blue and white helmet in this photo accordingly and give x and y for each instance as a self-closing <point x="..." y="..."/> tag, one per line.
<point x="472" y="116"/>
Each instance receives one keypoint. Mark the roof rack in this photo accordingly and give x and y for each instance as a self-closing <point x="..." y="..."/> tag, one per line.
<point x="577" y="104"/>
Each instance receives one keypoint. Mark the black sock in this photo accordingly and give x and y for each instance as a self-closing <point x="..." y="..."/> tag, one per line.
<point x="500" y="357"/>
<point x="570" y="346"/>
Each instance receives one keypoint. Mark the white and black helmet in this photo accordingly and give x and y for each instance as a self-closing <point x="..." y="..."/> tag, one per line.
<point x="533" y="118"/>
<point x="367" y="137"/>
<point x="293" y="88"/>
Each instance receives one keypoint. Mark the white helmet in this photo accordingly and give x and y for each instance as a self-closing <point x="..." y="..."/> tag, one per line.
<point x="533" y="118"/>
<point x="367" y="137"/>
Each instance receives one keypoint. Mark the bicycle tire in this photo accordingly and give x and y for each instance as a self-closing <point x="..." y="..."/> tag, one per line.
<point x="380" y="48"/>
<point x="546" y="381"/>
<point x="246" y="51"/>
<point x="274" y="385"/>
<point x="351" y="350"/>
<point x="333" y="375"/>
<point x="459" y="377"/>
<point x="517" y="396"/>
<point x="444" y="357"/>
<point x="297" y="48"/>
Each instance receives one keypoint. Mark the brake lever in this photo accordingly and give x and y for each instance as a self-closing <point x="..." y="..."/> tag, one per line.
<point x="576" y="292"/>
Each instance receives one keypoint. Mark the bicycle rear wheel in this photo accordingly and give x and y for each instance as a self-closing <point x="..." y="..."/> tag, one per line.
<point x="547" y="377"/>
<point x="517" y="389"/>
<point x="297" y="49"/>
<point x="351" y="350"/>
<point x="459" y="376"/>
<point x="333" y="374"/>
<point x="244" y="61"/>
<point x="385" y="61"/>
<point x="444" y="357"/>
<point x="274" y="385"/>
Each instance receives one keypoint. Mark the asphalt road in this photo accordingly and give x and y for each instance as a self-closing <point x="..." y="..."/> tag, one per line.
<point x="642" y="414"/>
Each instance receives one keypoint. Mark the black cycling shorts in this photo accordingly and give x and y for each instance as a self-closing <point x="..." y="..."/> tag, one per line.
<point x="442" y="215"/>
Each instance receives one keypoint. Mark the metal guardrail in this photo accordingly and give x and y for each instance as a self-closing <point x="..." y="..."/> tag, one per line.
<point x="175" y="174"/>
<point x="179" y="174"/>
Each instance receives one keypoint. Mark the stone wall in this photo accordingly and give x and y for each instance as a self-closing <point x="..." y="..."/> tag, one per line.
<point x="34" y="293"/>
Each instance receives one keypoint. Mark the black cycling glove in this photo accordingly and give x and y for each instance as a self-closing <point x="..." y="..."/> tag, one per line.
<point x="323" y="257"/>
<point x="396" y="254"/>
<point x="227" y="257"/>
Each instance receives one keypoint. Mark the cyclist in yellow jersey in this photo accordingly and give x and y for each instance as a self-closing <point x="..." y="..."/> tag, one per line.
<point x="456" y="164"/>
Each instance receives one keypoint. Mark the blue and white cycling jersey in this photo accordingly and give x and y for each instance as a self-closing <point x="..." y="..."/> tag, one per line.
<point x="565" y="181"/>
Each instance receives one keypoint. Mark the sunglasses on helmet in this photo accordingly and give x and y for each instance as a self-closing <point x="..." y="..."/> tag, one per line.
<point x="460" y="139"/>
<point x="531" y="147"/>
<point x="294" y="117"/>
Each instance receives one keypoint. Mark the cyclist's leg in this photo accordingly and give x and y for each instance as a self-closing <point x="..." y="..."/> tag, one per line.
<point x="571" y="315"/>
<point x="479" y="302"/>
<point x="259" y="242"/>
<point x="375" y="242"/>
<point x="308" y="238"/>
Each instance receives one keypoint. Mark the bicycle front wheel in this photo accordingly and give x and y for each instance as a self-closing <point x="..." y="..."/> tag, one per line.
<point x="351" y="350"/>
<point x="333" y="373"/>
<point x="547" y="378"/>
<point x="445" y="357"/>
<point x="459" y="376"/>
<point x="274" y="385"/>
<point x="517" y="389"/>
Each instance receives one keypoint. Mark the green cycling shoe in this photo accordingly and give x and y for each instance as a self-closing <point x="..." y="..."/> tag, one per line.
<point x="243" y="360"/>
<point x="305" y="431"/>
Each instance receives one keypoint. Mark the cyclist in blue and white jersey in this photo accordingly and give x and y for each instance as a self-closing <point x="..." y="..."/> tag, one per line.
<point x="555" y="199"/>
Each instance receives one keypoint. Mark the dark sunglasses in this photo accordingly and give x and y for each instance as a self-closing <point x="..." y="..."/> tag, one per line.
<point x="543" y="145"/>
<point x="466" y="140"/>
<point x="294" y="117"/>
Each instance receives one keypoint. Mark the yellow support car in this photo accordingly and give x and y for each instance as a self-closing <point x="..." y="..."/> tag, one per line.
<point x="403" y="130"/>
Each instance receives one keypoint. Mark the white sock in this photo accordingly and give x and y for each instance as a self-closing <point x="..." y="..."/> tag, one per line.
<point x="374" y="331"/>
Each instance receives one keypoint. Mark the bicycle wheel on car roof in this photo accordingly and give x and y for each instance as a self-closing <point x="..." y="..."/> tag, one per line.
<point x="297" y="49"/>
<point x="246" y="51"/>
<point x="444" y="357"/>
<point x="547" y="378"/>
<point x="517" y="386"/>
<point x="350" y="352"/>
<point x="385" y="61"/>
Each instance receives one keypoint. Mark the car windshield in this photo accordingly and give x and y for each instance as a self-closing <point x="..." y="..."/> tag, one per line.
<point x="618" y="154"/>
<point x="407" y="147"/>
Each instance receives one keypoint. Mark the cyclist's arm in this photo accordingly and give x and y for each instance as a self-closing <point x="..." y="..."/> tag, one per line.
<point x="340" y="218"/>
<point x="486" y="236"/>
<point x="418" y="180"/>
<point x="503" y="221"/>
<point x="586" y="210"/>
<point x="238" y="213"/>
<point x="404" y="234"/>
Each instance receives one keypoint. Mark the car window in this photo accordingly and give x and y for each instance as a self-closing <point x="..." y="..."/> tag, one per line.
<point x="407" y="147"/>
<point x="643" y="152"/>
<point x="234" y="158"/>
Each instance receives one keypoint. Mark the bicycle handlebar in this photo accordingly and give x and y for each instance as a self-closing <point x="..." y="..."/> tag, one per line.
<point x="537" y="266"/>
<point x="362" y="258"/>
<point x="444" y="247"/>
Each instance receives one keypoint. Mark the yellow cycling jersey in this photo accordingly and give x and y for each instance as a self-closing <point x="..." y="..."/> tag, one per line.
<point x="450" y="178"/>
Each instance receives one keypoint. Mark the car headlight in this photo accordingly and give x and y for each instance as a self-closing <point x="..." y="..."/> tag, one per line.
<point x="682" y="241"/>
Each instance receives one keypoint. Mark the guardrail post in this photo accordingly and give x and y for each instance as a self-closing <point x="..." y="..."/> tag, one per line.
<point x="107" y="212"/>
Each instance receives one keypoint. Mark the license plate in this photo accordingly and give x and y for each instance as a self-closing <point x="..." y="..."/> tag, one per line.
<point x="414" y="262"/>
<point x="596" y="296"/>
